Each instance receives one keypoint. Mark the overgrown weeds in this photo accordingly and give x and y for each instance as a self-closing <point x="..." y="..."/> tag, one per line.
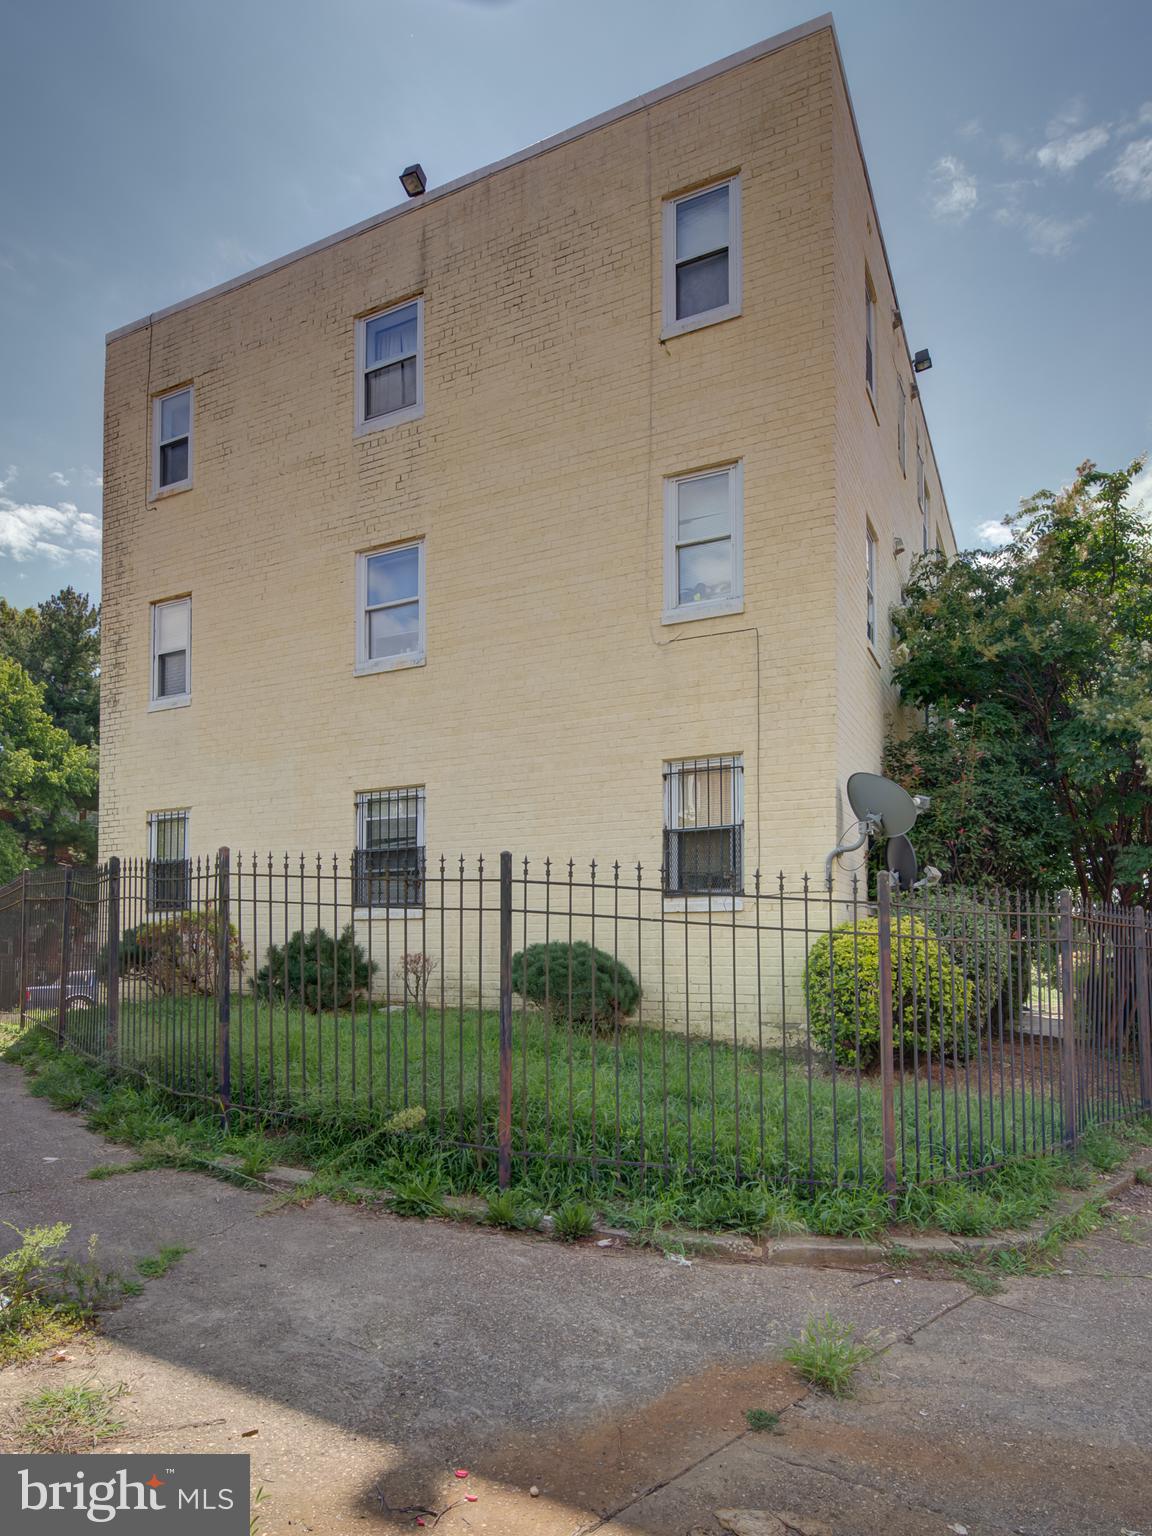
<point x="827" y="1355"/>
<point x="68" y="1420"/>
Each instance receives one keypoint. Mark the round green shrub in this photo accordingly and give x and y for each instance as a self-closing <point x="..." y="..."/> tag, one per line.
<point x="599" y="988"/>
<point x="978" y="936"/>
<point x="316" y="969"/>
<point x="842" y="984"/>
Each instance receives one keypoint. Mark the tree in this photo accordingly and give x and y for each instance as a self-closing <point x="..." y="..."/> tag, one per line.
<point x="46" y="778"/>
<point x="1035" y="664"/>
<point x="58" y="645"/>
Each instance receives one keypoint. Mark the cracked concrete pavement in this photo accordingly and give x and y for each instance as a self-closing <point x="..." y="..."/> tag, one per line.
<point x="373" y="1356"/>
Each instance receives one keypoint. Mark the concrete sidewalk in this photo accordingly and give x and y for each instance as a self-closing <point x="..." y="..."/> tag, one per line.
<point x="375" y="1355"/>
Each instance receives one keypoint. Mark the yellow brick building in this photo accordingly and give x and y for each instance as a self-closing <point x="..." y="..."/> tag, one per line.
<point x="557" y="509"/>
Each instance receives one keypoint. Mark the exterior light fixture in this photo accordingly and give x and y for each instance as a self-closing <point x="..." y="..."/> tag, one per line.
<point x="897" y="545"/>
<point x="414" y="181"/>
<point x="922" y="361"/>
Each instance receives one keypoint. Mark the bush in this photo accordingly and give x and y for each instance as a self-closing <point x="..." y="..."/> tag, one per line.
<point x="842" y="984"/>
<point x="179" y="954"/>
<point x="978" y="938"/>
<point x="316" y="969"/>
<point x="601" y="989"/>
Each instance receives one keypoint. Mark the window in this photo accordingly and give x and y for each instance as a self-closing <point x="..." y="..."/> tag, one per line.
<point x="390" y="366"/>
<point x="870" y="585"/>
<point x="171" y="653"/>
<point x="702" y="267"/>
<point x="921" y="488"/>
<point x="390" y="608"/>
<point x="902" y="428"/>
<point x="927" y="516"/>
<point x="169" y="868"/>
<point x="172" y="441"/>
<point x="869" y="336"/>
<point x="703" y="544"/>
<point x="389" y="859"/>
<point x="704" y="826"/>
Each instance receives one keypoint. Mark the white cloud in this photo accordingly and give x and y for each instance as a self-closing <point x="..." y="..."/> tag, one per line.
<point x="1131" y="176"/>
<point x="58" y="479"/>
<point x="954" y="193"/>
<point x="1046" y="233"/>
<point x="9" y="475"/>
<point x="972" y="129"/>
<point x="29" y="531"/>
<point x="1141" y="492"/>
<point x="93" y="478"/>
<point x="1064" y="152"/>
<point x="994" y="534"/>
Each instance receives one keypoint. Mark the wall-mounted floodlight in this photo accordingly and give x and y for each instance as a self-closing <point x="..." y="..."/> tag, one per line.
<point x="922" y="361"/>
<point x="414" y="181"/>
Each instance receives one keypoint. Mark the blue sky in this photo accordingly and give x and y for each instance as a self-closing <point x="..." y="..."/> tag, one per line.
<point x="155" y="148"/>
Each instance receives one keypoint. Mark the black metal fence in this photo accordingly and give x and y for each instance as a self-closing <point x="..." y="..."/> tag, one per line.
<point x="539" y="1012"/>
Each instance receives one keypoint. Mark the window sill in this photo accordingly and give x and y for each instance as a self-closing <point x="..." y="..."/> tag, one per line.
<point x="160" y="492"/>
<point x="698" y="322"/>
<point x="393" y="419"/>
<point x="387" y="664"/>
<point x="181" y="702"/>
<point x="387" y="914"/>
<point x="875" y="657"/>
<point x="703" y="903"/>
<point x="871" y="393"/>
<point x="690" y="613"/>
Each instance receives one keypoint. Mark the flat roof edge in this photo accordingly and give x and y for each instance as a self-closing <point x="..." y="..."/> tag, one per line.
<point x="541" y="147"/>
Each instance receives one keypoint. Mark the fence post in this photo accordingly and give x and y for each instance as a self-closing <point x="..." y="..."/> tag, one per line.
<point x="887" y="1042"/>
<point x="65" y="957"/>
<point x="223" y="983"/>
<point x="1070" y="1087"/>
<point x="505" y="1126"/>
<point x="1143" y="1009"/>
<point x="23" y="946"/>
<point x="112" y="1014"/>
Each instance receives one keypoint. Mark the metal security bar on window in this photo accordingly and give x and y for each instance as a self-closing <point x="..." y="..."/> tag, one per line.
<point x="704" y="826"/>
<point x="389" y="857"/>
<point x="169" y="868"/>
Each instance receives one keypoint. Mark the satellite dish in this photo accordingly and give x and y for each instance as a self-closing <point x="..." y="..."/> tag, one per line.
<point x="902" y="862"/>
<point x="881" y="804"/>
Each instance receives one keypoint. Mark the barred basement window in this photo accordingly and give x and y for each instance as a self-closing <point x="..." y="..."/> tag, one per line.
<point x="390" y="366"/>
<point x="389" y="859"/>
<point x="704" y="826"/>
<point x="169" y="867"/>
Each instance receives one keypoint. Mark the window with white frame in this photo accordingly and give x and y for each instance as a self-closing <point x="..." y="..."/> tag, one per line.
<point x="169" y="867"/>
<point x="702" y="259"/>
<point x="172" y="441"/>
<point x="704" y="826"/>
<point x="389" y="857"/>
<point x="390" y="366"/>
<point x="902" y="427"/>
<point x="869" y="336"/>
<point x="171" y="653"/>
<point x="390" y="608"/>
<point x="927" y="517"/>
<point x="703" y="544"/>
<point x="870" y="585"/>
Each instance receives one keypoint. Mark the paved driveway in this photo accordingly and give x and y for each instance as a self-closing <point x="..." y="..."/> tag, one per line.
<point x="374" y="1356"/>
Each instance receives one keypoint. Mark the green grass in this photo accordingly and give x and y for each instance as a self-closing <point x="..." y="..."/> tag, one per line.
<point x="761" y="1420"/>
<point x="649" y="1096"/>
<point x="156" y="1265"/>
<point x="573" y="1221"/>
<point x="827" y="1355"/>
<point x="67" y="1420"/>
<point x="402" y="1151"/>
